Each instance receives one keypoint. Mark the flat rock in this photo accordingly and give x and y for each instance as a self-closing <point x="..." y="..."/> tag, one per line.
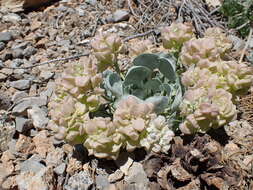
<point x="2" y="46"/>
<point x="120" y="15"/>
<point x="5" y="37"/>
<point x="60" y="169"/>
<point x="22" y="45"/>
<point x="91" y="2"/>
<point x="3" y="76"/>
<point x="116" y="176"/>
<point x="23" y="124"/>
<point x="55" y="157"/>
<point x="39" y="180"/>
<point x="45" y="75"/>
<point x="102" y="182"/>
<point x="6" y="55"/>
<point x="17" y="53"/>
<point x="137" y="177"/>
<point x="49" y="90"/>
<point x="28" y="102"/>
<point x="38" y="117"/>
<point x="31" y="165"/>
<point x="43" y="144"/>
<point x="21" y="84"/>
<point x="80" y="181"/>
<point x="29" y="51"/>
<point x="18" y="96"/>
<point x="6" y="133"/>
<point x="24" y="144"/>
<point x="11" y="17"/>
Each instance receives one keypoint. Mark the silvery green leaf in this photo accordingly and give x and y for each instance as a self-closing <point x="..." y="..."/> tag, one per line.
<point x="153" y="86"/>
<point x="177" y="99"/>
<point x="136" y="75"/>
<point x="166" y="68"/>
<point x="167" y="88"/>
<point x="160" y="103"/>
<point x="113" y="84"/>
<point x="147" y="60"/>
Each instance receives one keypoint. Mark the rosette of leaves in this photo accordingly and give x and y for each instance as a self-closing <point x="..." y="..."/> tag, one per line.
<point x="239" y="13"/>
<point x="152" y="78"/>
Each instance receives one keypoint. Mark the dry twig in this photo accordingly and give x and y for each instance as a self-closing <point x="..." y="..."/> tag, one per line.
<point x="246" y="45"/>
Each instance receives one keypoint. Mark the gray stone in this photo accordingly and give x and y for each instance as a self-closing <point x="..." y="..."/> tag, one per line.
<point x="16" y="63"/>
<point x="116" y="176"/>
<point x="91" y="2"/>
<point x="22" y="45"/>
<point x="2" y="46"/>
<point x="18" y="96"/>
<point x="45" y="75"/>
<point x="38" y="180"/>
<point x="251" y="43"/>
<point x="80" y="181"/>
<point x="120" y="15"/>
<point x="29" y="51"/>
<point x="81" y="12"/>
<point x="32" y="164"/>
<point x="11" y="17"/>
<point x="238" y="44"/>
<point x="64" y="43"/>
<point x="1" y="64"/>
<point x="60" y="169"/>
<point x="22" y="124"/>
<point x="62" y="8"/>
<point x="109" y="18"/>
<point x="6" y="55"/>
<point x="38" y="117"/>
<point x="5" y="36"/>
<point x="19" y="73"/>
<point x="6" y="133"/>
<point x="137" y="177"/>
<point x="21" y="84"/>
<point x="33" y="132"/>
<point x="55" y="157"/>
<point x="3" y="77"/>
<point x="102" y="182"/>
<point x="28" y="102"/>
<point x="49" y="90"/>
<point x="17" y="53"/>
<point x="12" y="146"/>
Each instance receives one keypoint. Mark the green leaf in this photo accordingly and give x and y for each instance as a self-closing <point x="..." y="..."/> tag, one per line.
<point x="167" y="88"/>
<point x="137" y="74"/>
<point x="113" y="84"/>
<point x="177" y="99"/>
<point x="231" y="7"/>
<point x="166" y="68"/>
<point x="147" y="60"/>
<point x="152" y="86"/>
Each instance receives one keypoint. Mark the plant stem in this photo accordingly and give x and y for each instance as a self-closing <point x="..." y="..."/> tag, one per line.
<point x="247" y="44"/>
<point x="115" y="63"/>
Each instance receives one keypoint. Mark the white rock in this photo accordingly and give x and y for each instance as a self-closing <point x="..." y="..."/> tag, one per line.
<point x="38" y="117"/>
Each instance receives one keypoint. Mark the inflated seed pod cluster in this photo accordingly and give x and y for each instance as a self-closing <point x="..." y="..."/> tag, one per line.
<point x="108" y="109"/>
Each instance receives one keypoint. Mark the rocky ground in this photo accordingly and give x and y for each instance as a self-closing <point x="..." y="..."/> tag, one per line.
<point x="36" y="45"/>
